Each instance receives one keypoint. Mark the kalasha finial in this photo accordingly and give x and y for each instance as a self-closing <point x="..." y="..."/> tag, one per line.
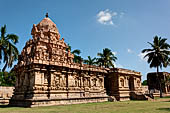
<point x="46" y="15"/>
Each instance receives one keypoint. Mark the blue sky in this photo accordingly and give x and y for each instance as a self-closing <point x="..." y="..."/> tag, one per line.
<point x="124" y="26"/>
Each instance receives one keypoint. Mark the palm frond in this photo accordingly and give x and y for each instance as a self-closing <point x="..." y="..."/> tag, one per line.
<point x="12" y="37"/>
<point x="8" y="51"/>
<point x="3" y="31"/>
<point x="76" y="51"/>
<point x="147" y="50"/>
<point x="158" y="55"/>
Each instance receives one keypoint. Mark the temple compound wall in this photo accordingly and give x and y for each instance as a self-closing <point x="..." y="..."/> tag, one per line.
<point x="153" y="82"/>
<point x="122" y="83"/>
<point x="47" y="75"/>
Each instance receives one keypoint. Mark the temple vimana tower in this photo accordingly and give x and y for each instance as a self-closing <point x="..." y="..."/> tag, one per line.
<point x="47" y="75"/>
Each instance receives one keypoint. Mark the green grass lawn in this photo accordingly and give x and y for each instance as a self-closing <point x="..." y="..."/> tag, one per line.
<point x="105" y="107"/>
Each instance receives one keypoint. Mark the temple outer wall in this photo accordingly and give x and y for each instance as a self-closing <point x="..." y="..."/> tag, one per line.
<point x="5" y="94"/>
<point x="59" y="85"/>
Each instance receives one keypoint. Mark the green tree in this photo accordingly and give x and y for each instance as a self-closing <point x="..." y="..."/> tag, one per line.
<point x="77" y="57"/>
<point x="144" y="83"/>
<point x="158" y="56"/>
<point x="90" y="61"/>
<point x="8" y="51"/>
<point x="76" y="53"/>
<point x="7" y="78"/>
<point x="106" y="58"/>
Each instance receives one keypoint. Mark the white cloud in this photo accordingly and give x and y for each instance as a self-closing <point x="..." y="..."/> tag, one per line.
<point x="114" y="52"/>
<point x="141" y="56"/>
<point x="117" y="65"/>
<point x="106" y="17"/>
<point x="129" y="51"/>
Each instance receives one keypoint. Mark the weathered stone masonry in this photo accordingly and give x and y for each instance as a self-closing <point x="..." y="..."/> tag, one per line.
<point x="5" y="94"/>
<point x="46" y="72"/>
<point x="122" y="83"/>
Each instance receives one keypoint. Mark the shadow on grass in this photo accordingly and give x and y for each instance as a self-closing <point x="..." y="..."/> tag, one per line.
<point x="4" y="106"/>
<point x="164" y="109"/>
<point x="7" y="106"/>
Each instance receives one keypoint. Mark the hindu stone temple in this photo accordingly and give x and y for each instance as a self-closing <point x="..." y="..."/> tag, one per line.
<point x="153" y="82"/>
<point x="47" y="75"/>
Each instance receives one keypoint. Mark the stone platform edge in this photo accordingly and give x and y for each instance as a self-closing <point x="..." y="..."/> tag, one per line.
<point x="51" y="102"/>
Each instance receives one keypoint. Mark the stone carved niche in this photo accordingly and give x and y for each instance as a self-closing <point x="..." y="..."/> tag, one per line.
<point x="41" y="54"/>
<point x="94" y="82"/>
<point x="46" y="78"/>
<point x="97" y="82"/>
<point x="62" y="80"/>
<point x="138" y="83"/>
<point x="101" y="82"/>
<point x="127" y="81"/>
<point x="71" y="81"/>
<point x="39" y="78"/>
<point x="85" y="81"/>
<point x="122" y="82"/>
<point x="56" y="80"/>
<point x="76" y="82"/>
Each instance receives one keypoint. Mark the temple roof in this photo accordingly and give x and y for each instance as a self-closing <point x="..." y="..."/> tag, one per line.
<point x="47" y="25"/>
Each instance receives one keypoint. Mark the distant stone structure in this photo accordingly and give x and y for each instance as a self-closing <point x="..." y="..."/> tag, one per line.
<point x="46" y="74"/>
<point x="153" y="82"/>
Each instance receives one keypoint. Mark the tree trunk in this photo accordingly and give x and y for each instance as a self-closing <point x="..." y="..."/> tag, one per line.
<point x="159" y="81"/>
<point x="5" y="66"/>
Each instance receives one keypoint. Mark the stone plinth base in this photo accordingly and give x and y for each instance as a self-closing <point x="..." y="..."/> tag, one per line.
<point x="122" y="95"/>
<point x="50" y="102"/>
<point x="125" y="98"/>
<point x="4" y="101"/>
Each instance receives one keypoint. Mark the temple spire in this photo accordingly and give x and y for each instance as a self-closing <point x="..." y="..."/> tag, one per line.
<point x="46" y="15"/>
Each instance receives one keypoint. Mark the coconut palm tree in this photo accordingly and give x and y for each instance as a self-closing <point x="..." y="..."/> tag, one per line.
<point x="77" y="57"/>
<point x="8" y="51"/>
<point x="76" y="52"/>
<point x="106" y="58"/>
<point x="158" y="56"/>
<point x="90" y="61"/>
